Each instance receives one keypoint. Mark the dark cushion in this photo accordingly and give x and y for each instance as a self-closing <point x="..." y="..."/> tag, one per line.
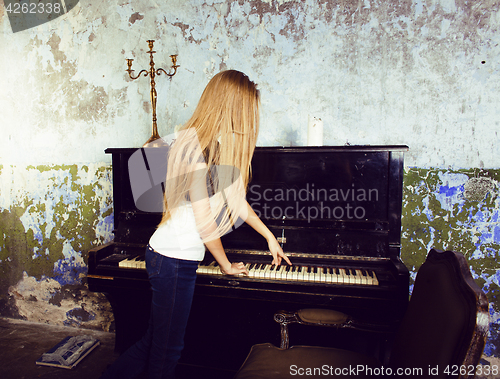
<point x="267" y="361"/>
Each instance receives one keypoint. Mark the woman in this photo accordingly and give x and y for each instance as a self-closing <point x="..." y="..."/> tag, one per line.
<point x="207" y="174"/>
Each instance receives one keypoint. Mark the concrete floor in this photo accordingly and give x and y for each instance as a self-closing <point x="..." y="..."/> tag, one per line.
<point x="22" y="343"/>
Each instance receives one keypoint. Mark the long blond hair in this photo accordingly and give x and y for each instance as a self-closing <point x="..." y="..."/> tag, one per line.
<point x="222" y="132"/>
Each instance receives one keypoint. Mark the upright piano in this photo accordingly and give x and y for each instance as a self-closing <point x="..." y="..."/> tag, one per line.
<point x="337" y="213"/>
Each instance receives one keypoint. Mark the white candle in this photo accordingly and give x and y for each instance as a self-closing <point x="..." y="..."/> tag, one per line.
<point x="314" y="132"/>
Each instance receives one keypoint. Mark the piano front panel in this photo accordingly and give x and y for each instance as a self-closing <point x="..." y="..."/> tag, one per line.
<point x="314" y="185"/>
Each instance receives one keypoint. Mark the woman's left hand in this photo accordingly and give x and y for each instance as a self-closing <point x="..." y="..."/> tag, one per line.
<point x="277" y="252"/>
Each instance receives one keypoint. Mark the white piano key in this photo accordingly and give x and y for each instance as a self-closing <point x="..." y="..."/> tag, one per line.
<point x="326" y="275"/>
<point x="257" y="270"/>
<point x="252" y="272"/>
<point x="293" y="273"/>
<point x="201" y="269"/>
<point x="123" y="263"/>
<point x="310" y="274"/>
<point x="358" y="277"/>
<point x="281" y="273"/>
<point x="319" y="276"/>
<point x="138" y="263"/>
<point x="314" y="275"/>
<point x="278" y="275"/>
<point x="272" y="271"/>
<point x="364" y="277"/>
<point x="351" y="276"/>
<point x="213" y="269"/>
<point x="262" y="271"/>
<point x="267" y="272"/>
<point x="300" y="273"/>
<point x="342" y="277"/>
<point x="347" y="278"/>
<point x="303" y="274"/>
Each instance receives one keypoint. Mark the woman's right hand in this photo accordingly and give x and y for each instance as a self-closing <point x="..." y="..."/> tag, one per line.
<point x="277" y="252"/>
<point x="235" y="269"/>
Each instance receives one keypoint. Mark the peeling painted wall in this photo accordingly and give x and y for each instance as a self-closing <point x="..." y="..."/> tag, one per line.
<point x="456" y="210"/>
<point x="50" y="216"/>
<point x="419" y="72"/>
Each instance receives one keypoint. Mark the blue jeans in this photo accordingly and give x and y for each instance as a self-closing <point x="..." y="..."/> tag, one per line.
<point x="172" y="281"/>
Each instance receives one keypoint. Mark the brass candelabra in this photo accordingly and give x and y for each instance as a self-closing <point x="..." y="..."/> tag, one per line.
<point x="152" y="72"/>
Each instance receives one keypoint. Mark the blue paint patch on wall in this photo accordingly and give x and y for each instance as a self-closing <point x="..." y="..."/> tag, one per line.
<point x="496" y="231"/>
<point x="68" y="271"/>
<point x="449" y="191"/>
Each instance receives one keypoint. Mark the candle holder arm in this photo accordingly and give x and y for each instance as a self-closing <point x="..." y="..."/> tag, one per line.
<point x="139" y="74"/>
<point x="160" y="70"/>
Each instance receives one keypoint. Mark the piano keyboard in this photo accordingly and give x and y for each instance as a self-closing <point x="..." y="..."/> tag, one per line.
<point x="296" y="273"/>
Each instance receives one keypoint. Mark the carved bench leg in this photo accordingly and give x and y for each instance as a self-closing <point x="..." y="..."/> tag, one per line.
<point x="284" y="318"/>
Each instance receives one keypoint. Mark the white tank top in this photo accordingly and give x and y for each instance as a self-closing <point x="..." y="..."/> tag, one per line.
<point x="179" y="237"/>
